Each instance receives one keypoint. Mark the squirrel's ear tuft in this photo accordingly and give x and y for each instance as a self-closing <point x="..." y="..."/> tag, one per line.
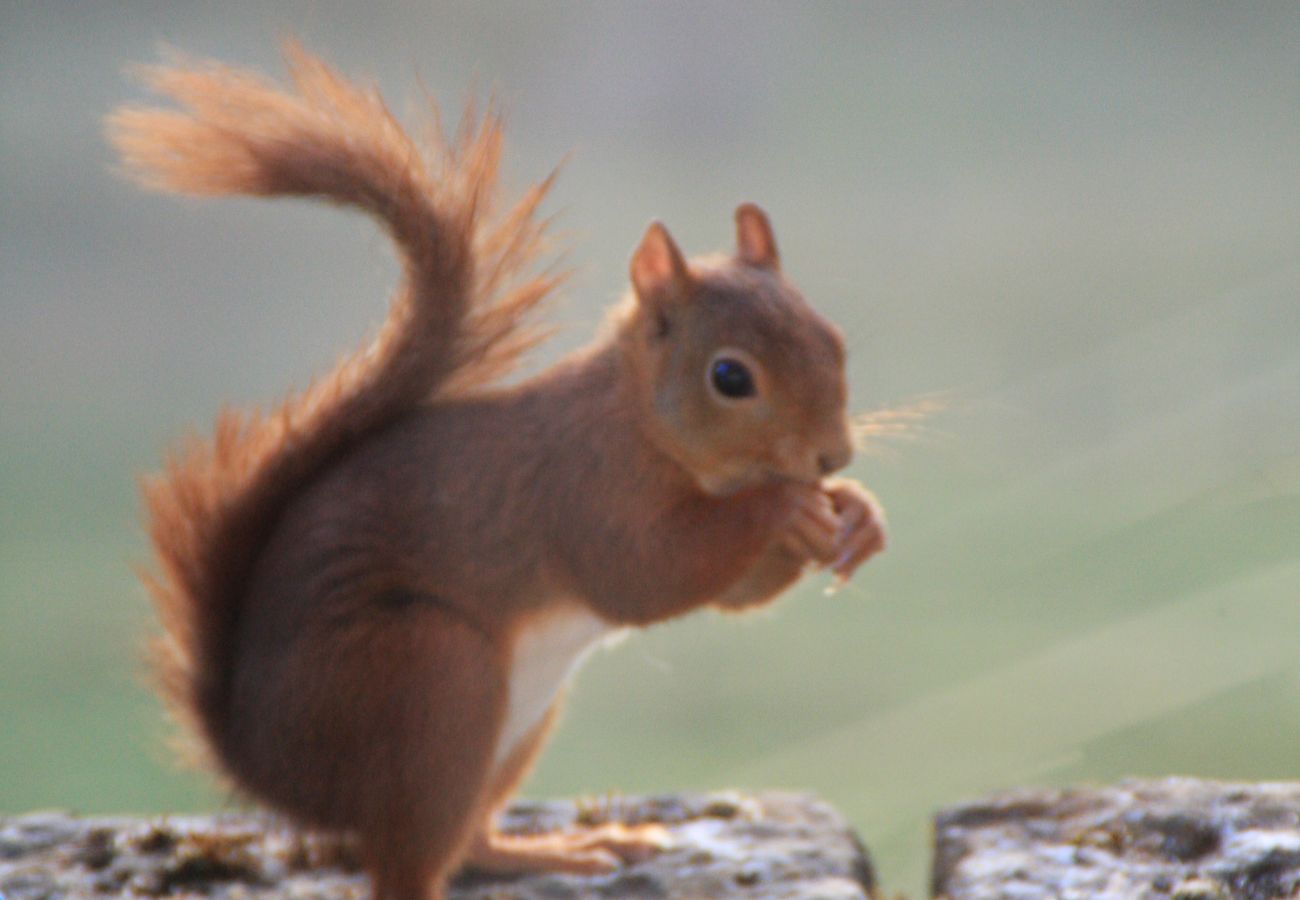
<point x="658" y="270"/>
<point x="755" y="244"/>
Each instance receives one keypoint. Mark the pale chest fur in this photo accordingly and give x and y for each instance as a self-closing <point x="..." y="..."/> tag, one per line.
<point x="547" y="652"/>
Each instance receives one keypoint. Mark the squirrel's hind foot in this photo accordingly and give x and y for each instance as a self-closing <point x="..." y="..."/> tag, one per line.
<point x="592" y="851"/>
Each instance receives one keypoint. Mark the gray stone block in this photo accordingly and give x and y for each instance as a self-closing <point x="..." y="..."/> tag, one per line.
<point x="769" y="845"/>
<point x="1172" y="839"/>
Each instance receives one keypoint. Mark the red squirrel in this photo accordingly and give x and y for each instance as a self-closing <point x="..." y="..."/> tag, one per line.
<point x="373" y="596"/>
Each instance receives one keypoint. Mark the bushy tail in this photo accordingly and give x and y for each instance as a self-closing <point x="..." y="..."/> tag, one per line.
<point x="456" y="322"/>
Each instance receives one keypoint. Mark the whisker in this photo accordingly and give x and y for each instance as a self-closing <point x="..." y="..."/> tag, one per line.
<point x="900" y="422"/>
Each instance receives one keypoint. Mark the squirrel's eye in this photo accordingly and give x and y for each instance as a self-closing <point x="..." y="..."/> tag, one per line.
<point x="731" y="378"/>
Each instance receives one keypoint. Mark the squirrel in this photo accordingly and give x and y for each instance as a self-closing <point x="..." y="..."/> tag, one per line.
<point x="373" y="596"/>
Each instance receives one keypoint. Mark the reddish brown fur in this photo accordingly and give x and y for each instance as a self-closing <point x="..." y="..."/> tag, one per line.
<point x="450" y="321"/>
<point x="344" y="582"/>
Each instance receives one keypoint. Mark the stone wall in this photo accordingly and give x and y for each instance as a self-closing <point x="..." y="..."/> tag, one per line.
<point x="1172" y="839"/>
<point x="1177" y="838"/>
<point x="773" y="845"/>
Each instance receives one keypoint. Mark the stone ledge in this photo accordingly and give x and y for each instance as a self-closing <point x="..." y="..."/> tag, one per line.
<point x="1176" y="838"/>
<point x="769" y="845"/>
<point x="1172" y="839"/>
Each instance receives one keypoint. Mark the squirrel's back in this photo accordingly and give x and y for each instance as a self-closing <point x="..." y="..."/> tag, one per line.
<point x="455" y="324"/>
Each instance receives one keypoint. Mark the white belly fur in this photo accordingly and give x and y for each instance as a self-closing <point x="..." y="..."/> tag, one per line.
<point x="547" y="653"/>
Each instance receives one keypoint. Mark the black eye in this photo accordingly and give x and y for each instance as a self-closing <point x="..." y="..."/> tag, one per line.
<point x="731" y="378"/>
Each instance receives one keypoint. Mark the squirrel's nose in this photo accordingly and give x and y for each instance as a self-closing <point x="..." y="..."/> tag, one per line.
<point x="834" y="460"/>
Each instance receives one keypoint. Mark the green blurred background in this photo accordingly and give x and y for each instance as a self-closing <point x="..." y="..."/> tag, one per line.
<point x="1079" y="224"/>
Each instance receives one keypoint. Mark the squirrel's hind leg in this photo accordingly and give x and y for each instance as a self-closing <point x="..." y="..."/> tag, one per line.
<point x="590" y="851"/>
<point x="408" y="699"/>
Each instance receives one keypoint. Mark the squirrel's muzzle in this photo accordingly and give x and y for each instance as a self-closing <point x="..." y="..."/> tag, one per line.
<point x="829" y="461"/>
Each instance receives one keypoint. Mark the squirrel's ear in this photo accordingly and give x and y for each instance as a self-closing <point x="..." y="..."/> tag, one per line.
<point x="755" y="244"/>
<point x="658" y="270"/>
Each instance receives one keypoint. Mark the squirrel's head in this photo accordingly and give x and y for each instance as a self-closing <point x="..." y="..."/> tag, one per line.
<point x="742" y="380"/>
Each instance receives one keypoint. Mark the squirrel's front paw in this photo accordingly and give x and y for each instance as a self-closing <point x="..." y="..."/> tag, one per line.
<point x="811" y="528"/>
<point x="860" y="524"/>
